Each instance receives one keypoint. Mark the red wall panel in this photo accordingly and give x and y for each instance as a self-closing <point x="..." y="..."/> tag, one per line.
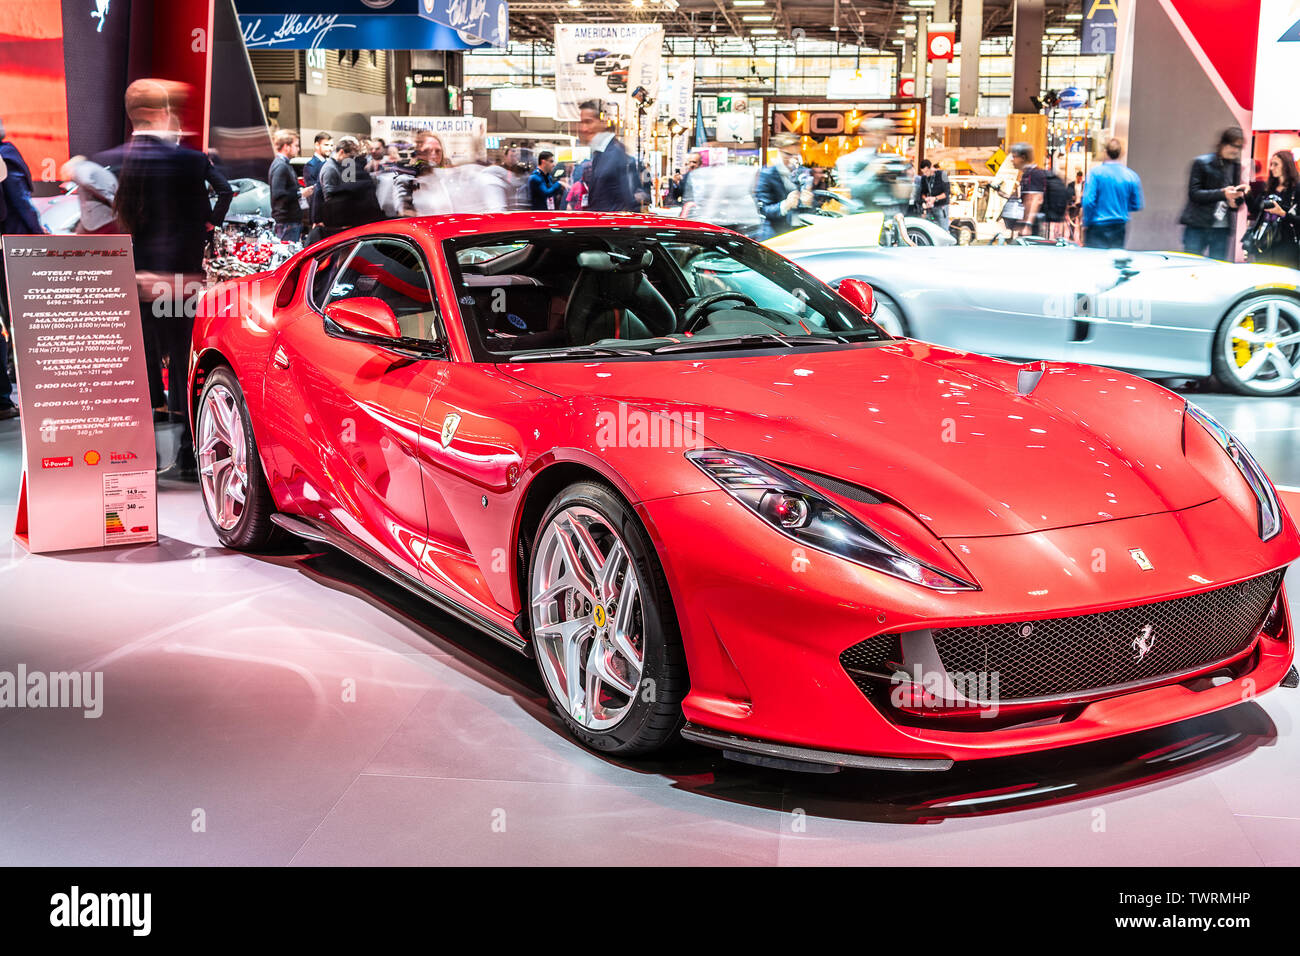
<point x="33" y="95"/>
<point x="1227" y="31"/>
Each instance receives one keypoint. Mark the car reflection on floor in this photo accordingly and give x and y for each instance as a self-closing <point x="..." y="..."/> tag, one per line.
<point x="994" y="786"/>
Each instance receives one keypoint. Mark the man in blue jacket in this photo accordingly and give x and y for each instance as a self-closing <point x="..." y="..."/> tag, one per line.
<point x="1112" y="193"/>
<point x="776" y="193"/>
<point x="544" y="191"/>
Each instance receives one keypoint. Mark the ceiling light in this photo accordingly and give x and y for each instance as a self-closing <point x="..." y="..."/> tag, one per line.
<point x="1074" y="16"/>
<point x="749" y="3"/>
<point x="835" y="28"/>
<point x="896" y="42"/>
<point x="756" y="17"/>
<point x="575" y="3"/>
<point x="1060" y="30"/>
<point x="764" y="31"/>
<point x="920" y="3"/>
<point x="908" y="18"/>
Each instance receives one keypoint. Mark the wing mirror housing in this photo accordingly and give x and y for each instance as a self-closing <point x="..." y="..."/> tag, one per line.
<point x="860" y="294"/>
<point x="364" y="315"/>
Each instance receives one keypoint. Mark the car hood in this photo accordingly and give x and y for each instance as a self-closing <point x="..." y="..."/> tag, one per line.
<point x="941" y="432"/>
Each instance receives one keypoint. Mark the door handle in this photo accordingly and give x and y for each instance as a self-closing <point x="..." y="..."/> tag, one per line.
<point x="280" y="359"/>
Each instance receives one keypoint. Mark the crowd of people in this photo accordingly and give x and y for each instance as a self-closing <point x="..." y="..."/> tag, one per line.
<point x="351" y="181"/>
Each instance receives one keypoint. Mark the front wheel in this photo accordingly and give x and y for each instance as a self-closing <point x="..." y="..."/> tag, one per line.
<point x="603" y="625"/>
<point x="235" y="493"/>
<point x="1257" y="347"/>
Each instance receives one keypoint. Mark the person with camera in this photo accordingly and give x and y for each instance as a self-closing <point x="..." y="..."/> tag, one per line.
<point x="1215" y="194"/>
<point x="1274" y="233"/>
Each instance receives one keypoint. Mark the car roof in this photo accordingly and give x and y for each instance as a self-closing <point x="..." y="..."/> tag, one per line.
<point x="458" y="226"/>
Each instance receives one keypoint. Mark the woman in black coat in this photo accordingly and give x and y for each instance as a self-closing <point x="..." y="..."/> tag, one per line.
<point x="1284" y="183"/>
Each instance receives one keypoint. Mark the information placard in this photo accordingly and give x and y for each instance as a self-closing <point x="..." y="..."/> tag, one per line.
<point x="89" y="464"/>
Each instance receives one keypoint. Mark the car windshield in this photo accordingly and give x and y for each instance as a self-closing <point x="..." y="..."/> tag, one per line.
<point x="640" y="293"/>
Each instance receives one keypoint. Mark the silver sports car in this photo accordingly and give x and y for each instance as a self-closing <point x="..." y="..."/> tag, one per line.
<point x="1159" y="314"/>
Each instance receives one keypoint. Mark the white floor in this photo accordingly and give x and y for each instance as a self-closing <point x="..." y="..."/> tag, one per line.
<point x="226" y="738"/>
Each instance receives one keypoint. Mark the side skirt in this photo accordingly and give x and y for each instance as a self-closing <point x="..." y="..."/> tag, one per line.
<point x="314" y="530"/>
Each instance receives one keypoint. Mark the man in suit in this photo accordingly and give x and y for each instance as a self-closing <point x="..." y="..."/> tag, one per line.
<point x="610" y="179"/>
<point x="286" y="196"/>
<point x="162" y="201"/>
<point x="776" y="193"/>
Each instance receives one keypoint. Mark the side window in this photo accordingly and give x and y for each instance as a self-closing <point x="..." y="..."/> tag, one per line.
<point x="326" y="266"/>
<point x="392" y="271"/>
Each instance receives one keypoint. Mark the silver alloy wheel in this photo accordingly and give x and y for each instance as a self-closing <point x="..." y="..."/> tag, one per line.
<point x="223" y="457"/>
<point x="1262" y="347"/>
<point x="588" y="624"/>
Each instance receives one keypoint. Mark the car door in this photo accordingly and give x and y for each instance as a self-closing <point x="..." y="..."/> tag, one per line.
<point x="1014" y="302"/>
<point x="475" y="426"/>
<point x="350" y="451"/>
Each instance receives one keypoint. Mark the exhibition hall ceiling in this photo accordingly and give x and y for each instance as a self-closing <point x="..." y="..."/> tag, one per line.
<point x="876" y="22"/>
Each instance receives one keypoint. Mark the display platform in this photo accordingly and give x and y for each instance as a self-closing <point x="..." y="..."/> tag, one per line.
<point x="299" y="709"/>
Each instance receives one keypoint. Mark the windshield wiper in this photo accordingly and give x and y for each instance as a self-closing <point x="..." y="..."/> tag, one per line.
<point x="575" y="351"/>
<point x="753" y="338"/>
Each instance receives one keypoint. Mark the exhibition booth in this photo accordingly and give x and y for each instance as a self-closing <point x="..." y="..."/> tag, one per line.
<point x="598" y="537"/>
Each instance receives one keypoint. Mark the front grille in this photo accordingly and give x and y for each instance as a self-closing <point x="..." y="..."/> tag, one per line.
<point x="1071" y="655"/>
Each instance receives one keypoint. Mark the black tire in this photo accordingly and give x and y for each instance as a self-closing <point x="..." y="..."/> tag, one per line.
<point x="254" y="530"/>
<point x="1222" y="376"/>
<point x="653" y="720"/>
<point x="919" y="237"/>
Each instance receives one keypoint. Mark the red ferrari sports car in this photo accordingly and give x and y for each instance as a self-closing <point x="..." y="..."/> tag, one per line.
<point x="713" y="499"/>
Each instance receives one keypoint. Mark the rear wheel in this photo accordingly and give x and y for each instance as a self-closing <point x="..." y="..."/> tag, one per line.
<point x="603" y="625"/>
<point x="1257" y="347"/>
<point x="235" y="493"/>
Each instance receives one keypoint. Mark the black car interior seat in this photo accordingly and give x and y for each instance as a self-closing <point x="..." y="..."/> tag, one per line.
<point x="613" y="299"/>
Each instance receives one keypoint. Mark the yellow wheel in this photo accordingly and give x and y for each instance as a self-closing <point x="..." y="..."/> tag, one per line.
<point x="1240" y="346"/>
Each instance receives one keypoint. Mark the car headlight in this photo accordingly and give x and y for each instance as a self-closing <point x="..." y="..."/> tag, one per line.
<point x="798" y="511"/>
<point x="1270" y="511"/>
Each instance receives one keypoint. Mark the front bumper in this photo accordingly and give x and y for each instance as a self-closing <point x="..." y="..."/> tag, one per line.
<point x="764" y="631"/>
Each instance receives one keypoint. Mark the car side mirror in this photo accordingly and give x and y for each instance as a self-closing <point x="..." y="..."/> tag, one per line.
<point x="860" y="293"/>
<point x="364" y="315"/>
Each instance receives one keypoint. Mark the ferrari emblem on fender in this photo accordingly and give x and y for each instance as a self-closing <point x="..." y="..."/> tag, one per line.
<point x="1143" y="642"/>
<point x="1141" y="560"/>
<point x="449" y="426"/>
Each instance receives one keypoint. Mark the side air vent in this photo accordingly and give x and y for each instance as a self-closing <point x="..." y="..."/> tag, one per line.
<point x="836" y="486"/>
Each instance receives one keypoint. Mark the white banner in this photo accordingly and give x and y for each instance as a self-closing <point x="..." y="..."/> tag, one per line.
<point x="463" y="137"/>
<point x="1277" y="105"/>
<point x="605" y="62"/>
<point x="678" y="88"/>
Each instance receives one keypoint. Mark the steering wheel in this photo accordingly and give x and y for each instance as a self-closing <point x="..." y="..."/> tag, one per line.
<point x="697" y="311"/>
